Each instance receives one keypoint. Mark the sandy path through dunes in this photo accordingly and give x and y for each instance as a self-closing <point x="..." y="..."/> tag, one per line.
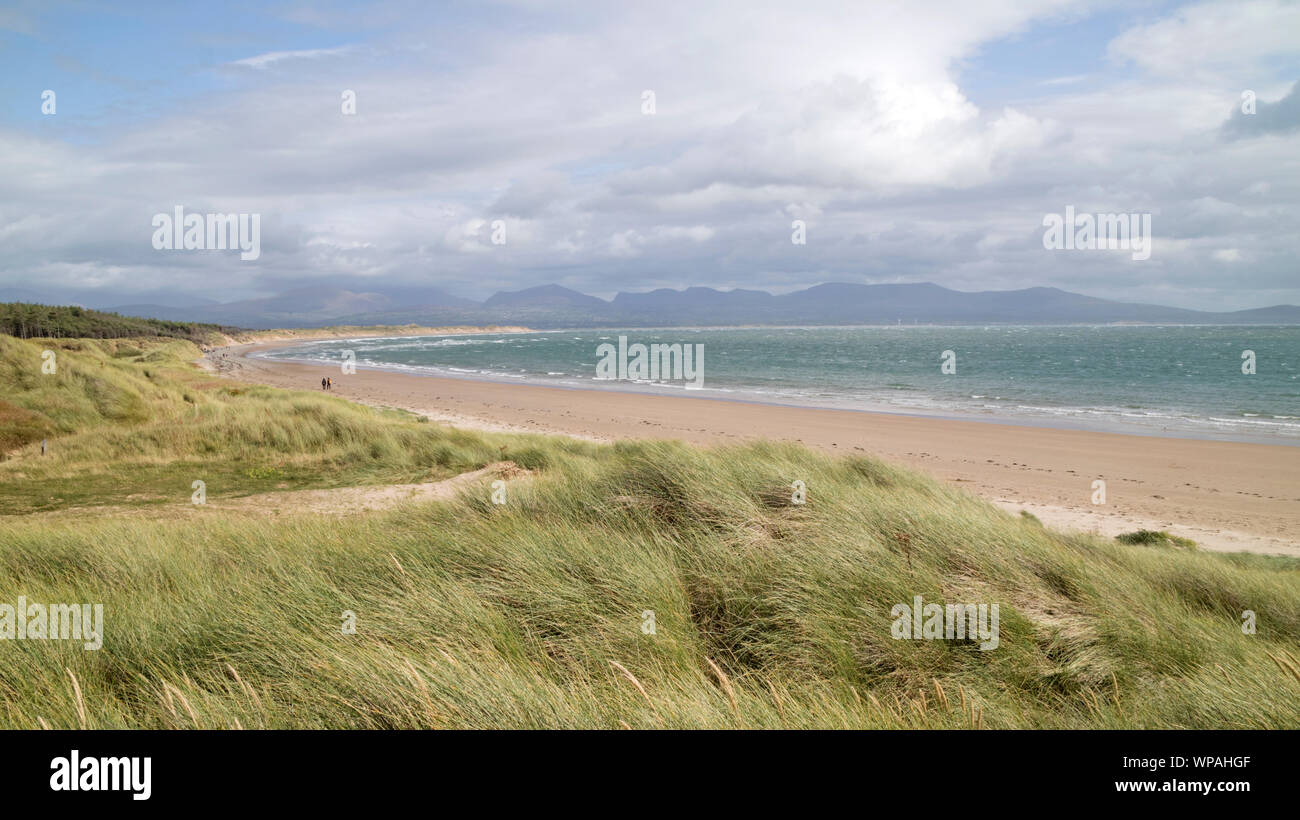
<point x="333" y="501"/>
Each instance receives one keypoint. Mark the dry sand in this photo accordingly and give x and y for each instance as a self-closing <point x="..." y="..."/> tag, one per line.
<point x="1225" y="495"/>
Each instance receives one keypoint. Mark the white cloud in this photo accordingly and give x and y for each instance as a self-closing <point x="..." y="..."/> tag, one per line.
<point x="272" y="57"/>
<point x="1227" y="37"/>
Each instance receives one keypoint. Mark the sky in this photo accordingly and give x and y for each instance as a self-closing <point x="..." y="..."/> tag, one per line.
<point x="914" y="141"/>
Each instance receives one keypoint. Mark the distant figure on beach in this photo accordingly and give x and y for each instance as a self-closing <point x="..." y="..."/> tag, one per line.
<point x="331" y="383"/>
<point x="324" y="384"/>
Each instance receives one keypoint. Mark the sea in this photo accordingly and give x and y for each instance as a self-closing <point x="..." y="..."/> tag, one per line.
<point x="1185" y="381"/>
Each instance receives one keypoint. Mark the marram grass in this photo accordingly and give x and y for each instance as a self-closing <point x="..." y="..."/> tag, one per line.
<point x="139" y="429"/>
<point x="531" y="614"/>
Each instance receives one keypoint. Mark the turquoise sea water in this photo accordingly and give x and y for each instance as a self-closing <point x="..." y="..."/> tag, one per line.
<point x="1174" y="380"/>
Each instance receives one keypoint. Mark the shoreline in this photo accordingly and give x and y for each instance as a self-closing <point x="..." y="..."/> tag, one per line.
<point x="714" y="394"/>
<point x="1225" y="495"/>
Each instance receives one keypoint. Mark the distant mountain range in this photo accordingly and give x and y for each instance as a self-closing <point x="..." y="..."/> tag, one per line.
<point x="553" y="306"/>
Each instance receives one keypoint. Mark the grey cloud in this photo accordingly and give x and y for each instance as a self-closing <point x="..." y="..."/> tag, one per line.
<point x="1281" y="117"/>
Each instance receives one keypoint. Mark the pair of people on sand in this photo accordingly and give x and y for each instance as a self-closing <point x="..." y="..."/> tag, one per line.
<point x="326" y="383"/>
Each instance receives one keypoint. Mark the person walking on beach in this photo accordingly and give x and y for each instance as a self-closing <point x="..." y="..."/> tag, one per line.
<point x="323" y="382"/>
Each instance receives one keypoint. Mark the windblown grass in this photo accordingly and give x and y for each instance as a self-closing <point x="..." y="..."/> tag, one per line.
<point x="530" y="614"/>
<point x="1156" y="538"/>
<point x="136" y="414"/>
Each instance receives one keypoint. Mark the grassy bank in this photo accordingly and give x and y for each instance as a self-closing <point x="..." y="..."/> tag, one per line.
<point x="535" y="613"/>
<point x="137" y="414"/>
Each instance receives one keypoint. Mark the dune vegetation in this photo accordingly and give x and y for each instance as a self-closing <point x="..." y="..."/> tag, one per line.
<point x="137" y="424"/>
<point x="635" y="585"/>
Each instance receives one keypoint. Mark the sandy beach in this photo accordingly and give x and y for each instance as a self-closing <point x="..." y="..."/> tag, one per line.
<point x="1226" y="496"/>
